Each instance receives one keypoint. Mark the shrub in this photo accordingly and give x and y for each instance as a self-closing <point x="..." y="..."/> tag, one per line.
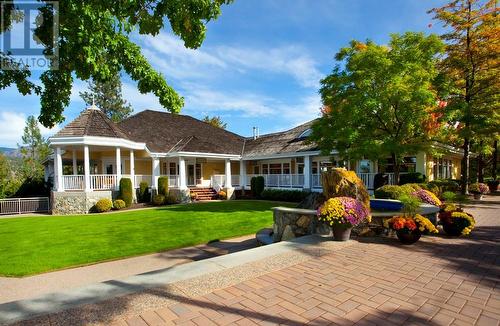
<point x="163" y="186"/>
<point x="449" y="196"/>
<point x="479" y="188"/>
<point x="432" y="188"/>
<point x="284" y="195"/>
<point x="392" y="191"/>
<point x="413" y="177"/>
<point x="143" y="192"/>
<point x="414" y="186"/>
<point x="411" y="204"/>
<point x="171" y="199"/>
<point x="257" y="186"/>
<point x="119" y="204"/>
<point x="493" y="185"/>
<point x="158" y="200"/>
<point x="103" y="205"/>
<point x="126" y="191"/>
<point x="445" y="185"/>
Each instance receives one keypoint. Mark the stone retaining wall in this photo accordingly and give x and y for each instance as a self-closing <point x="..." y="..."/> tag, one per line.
<point x="67" y="203"/>
<point x="290" y="223"/>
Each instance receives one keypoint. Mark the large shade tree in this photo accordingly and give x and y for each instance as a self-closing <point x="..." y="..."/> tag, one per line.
<point x="94" y="42"/>
<point x="472" y="65"/>
<point x="380" y="100"/>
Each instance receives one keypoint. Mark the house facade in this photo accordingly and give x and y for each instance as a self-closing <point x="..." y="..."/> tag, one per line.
<point x="92" y="154"/>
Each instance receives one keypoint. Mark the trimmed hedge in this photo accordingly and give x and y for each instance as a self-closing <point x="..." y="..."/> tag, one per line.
<point x="446" y="185"/>
<point x="413" y="177"/>
<point x="284" y="195"/>
<point x="257" y="186"/>
<point x="126" y="191"/>
<point x="103" y="205"/>
<point x="163" y="186"/>
<point x="158" y="200"/>
<point x="393" y="191"/>
<point x="143" y="196"/>
<point x="119" y="204"/>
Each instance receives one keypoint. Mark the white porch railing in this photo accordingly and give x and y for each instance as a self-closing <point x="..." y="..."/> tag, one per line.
<point x="73" y="182"/>
<point x="173" y="181"/>
<point x="24" y="205"/>
<point x="138" y="178"/>
<point x="103" y="181"/>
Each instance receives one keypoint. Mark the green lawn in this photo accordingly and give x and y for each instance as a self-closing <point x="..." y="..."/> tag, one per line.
<point x="31" y="245"/>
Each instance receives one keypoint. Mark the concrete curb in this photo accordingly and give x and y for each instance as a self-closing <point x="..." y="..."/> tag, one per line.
<point x="55" y="302"/>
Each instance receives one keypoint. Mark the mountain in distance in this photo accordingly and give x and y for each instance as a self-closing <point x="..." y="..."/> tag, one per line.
<point x="11" y="152"/>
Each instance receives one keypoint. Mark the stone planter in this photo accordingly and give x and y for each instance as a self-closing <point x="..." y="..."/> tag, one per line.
<point x="452" y="229"/>
<point x="341" y="232"/>
<point x="478" y="196"/>
<point x="408" y="238"/>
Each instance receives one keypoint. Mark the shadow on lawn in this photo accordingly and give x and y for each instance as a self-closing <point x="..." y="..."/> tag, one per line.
<point x="233" y="206"/>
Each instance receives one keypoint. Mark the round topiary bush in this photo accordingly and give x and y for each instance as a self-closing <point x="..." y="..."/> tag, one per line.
<point x="158" y="200"/>
<point x="143" y="196"/>
<point x="103" y="205"/>
<point x="126" y="193"/>
<point x="119" y="204"/>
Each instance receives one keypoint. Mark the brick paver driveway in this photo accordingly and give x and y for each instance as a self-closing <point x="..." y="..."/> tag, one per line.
<point x="438" y="281"/>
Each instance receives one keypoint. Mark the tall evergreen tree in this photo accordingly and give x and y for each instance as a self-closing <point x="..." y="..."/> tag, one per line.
<point x="215" y="121"/>
<point x="472" y="65"/>
<point x="34" y="149"/>
<point x="107" y="95"/>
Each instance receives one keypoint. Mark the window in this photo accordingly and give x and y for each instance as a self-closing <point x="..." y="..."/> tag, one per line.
<point x="364" y="166"/>
<point x="315" y="168"/>
<point x="163" y="168"/>
<point x="305" y="133"/>
<point x="265" y="169"/>
<point x="172" y="167"/>
<point x="326" y="165"/>
<point x="408" y="164"/>
<point x="256" y="169"/>
<point x="286" y="168"/>
<point x="442" y="168"/>
<point x="275" y="168"/>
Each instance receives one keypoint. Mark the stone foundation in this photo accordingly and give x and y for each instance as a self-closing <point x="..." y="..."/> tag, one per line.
<point x="181" y="195"/>
<point x="290" y="223"/>
<point x="230" y="193"/>
<point x="67" y="203"/>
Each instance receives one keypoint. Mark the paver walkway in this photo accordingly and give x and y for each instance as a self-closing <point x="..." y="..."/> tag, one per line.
<point x="373" y="281"/>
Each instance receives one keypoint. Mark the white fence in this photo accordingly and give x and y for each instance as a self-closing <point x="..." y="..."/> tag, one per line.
<point x="73" y="182"/>
<point x="24" y="205"/>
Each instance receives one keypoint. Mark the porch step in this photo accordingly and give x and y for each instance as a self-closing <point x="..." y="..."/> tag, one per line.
<point x="204" y="193"/>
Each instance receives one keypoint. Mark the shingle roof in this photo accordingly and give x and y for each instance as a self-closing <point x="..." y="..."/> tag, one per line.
<point x="280" y="142"/>
<point x="92" y="122"/>
<point x="165" y="132"/>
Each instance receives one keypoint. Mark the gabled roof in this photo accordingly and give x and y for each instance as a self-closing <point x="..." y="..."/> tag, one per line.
<point x="280" y="142"/>
<point x="92" y="122"/>
<point x="165" y="132"/>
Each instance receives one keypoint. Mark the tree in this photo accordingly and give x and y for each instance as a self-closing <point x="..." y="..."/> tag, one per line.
<point x="9" y="182"/>
<point x="380" y="100"/>
<point x="471" y="64"/>
<point x="94" y="42"/>
<point x="108" y="97"/>
<point x="215" y="121"/>
<point x="34" y="149"/>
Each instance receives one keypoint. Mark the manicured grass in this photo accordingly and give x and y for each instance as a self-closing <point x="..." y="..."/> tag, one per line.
<point x="31" y="245"/>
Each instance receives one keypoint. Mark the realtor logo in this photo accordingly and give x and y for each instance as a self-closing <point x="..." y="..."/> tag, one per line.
<point x="23" y="45"/>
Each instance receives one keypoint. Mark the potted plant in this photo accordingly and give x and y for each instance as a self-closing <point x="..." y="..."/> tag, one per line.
<point x="222" y="195"/>
<point x="193" y="196"/>
<point x="410" y="226"/>
<point x="341" y="214"/>
<point x="478" y="190"/>
<point x="456" y="222"/>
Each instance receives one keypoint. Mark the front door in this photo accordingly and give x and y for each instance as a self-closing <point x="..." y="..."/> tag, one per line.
<point x="191" y="175"/>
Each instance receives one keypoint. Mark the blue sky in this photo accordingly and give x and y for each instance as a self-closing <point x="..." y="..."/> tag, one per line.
<point x="260" y="64"/>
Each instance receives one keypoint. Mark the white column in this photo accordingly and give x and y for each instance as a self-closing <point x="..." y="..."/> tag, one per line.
<point x="132" y="170"/>
<point x="182" y="173"/>
<point x="243" y="174"/>
<point x="228" y="174"/>
<point x="307" y="172"/>
<point x="58" y="170"/>
<point x="156" y="171"/>
<point x="118" y="167"/>
<point x="86" y="168"/>
<point x="75" y="168"/>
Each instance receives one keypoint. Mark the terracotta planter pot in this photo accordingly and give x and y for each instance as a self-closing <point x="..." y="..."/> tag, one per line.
<point x="341" y="232"/>
<point x="452" y="229"/>
<point x="408" y="238"/>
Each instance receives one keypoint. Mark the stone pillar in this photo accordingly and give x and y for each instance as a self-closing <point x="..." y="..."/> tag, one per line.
<point x="243" y="174"/>
<point x="58" y="170"/>
<point x="307" y="173"/>
<point x="228" y="174"/>
<point x="75" y="167"/>
<point x="182" y="173"/>
<point x="132" y="171"/>
<point x="86" y="167"/>
<point x="156" y="172"/>
<point x="118" y="167"/>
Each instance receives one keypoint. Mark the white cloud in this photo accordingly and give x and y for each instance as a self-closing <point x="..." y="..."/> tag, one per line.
<point x="168" y="54"/>
<point x="12" y="128"/>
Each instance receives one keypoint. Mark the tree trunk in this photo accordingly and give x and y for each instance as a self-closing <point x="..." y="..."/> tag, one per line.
<point x="480" y="164"/>
<point x="465" y="167"/>
<point x="396" y="168"/>
<point x="494" y="160"/>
